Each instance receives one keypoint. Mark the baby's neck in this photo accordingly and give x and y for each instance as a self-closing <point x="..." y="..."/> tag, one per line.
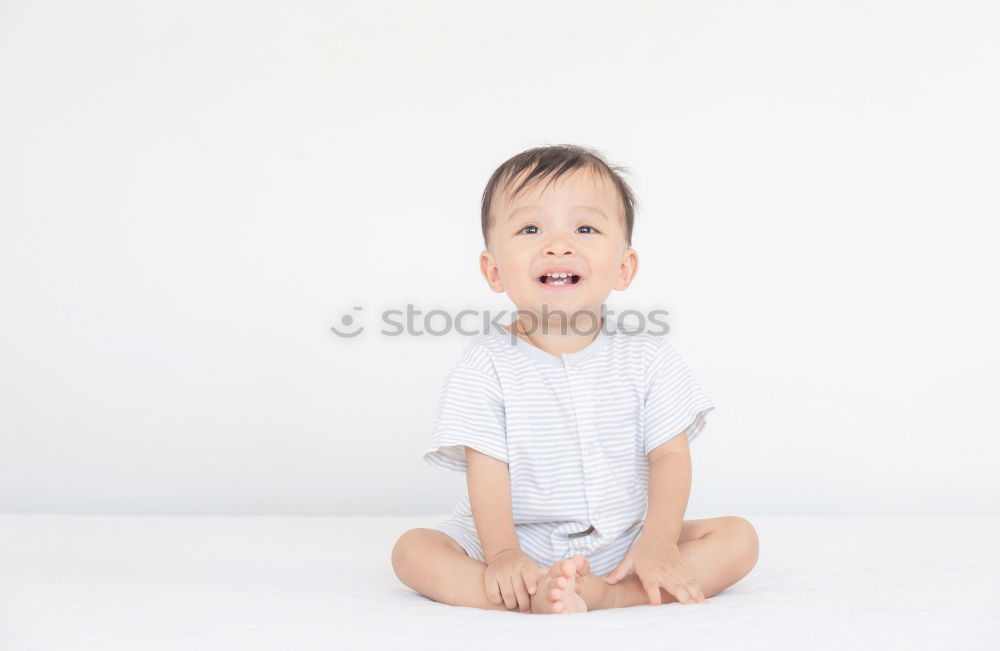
<point x="557" y="338"/>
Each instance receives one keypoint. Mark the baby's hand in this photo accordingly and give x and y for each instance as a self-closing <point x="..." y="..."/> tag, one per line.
<point x="510" y="576"/>
<point x="659" y="564"/>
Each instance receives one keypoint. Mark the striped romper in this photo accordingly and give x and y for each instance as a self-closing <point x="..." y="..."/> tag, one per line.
<point x="574" y="430"/>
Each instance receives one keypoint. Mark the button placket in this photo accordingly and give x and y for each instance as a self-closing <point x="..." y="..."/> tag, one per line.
<point x="582" y="406"/>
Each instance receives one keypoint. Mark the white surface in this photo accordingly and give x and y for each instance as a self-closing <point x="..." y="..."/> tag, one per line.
<point x="193" y="191"/>
<point x="79" y="583"/>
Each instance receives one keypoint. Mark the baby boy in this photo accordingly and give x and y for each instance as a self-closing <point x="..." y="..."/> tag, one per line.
<point x="573" y="433"/>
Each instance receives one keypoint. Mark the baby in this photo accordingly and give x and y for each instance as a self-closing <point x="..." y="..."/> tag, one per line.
<point x="573" y="433"/>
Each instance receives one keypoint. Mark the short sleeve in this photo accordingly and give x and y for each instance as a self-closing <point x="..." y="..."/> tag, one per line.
<point x="470" y="413"/>
<point x="675" y="402"/>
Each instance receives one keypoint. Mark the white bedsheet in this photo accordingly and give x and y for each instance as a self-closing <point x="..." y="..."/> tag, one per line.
<point x="109" y="582"/>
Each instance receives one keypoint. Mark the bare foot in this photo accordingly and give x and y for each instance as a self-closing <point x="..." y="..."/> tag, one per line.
<point x="595" y="591"/>
<point x="558" y="589"/>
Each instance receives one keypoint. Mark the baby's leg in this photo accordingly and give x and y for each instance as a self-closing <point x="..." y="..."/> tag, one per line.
<point x="436" y="566"/>
<point x="718" y="552"/>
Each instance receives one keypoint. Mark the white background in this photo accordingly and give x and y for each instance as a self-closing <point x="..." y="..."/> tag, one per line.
<point x="193" y="192"/>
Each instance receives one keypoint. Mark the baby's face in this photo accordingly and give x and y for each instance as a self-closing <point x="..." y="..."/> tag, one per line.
<point x="575" y="227"/>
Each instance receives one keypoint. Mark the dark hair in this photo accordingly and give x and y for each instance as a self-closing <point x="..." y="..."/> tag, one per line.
<point x="552" y="162"/>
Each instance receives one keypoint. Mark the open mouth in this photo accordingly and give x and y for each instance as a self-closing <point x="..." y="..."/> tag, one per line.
<point x="559" y="279"/>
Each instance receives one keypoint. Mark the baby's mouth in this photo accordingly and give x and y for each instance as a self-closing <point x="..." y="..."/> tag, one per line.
<point x="559" y="279"/>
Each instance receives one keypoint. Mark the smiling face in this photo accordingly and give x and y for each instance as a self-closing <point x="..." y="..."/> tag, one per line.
<point x="563" y="246"/>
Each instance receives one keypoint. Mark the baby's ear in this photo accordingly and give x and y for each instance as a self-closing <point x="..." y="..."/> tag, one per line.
<point x="629" y="268"/>
<point x="490" y="271"/>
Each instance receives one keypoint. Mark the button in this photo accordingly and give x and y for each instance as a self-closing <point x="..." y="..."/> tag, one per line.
<point x="592" y="448"/>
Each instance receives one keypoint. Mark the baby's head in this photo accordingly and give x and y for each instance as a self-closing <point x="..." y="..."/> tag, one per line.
<point x="559" y="209"/>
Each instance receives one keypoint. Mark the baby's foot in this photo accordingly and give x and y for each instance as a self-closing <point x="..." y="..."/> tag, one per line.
<point x="558" y="588"/>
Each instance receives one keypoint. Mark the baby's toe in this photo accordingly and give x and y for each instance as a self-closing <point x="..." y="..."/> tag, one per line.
<point x="567" y="568"/>
<point x="556" y="571"/>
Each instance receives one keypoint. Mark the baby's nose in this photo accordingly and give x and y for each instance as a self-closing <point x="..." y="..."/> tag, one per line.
<point x="559" y="247"/>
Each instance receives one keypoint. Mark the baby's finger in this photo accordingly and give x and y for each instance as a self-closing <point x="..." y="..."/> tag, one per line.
<point x="507" y="590"/>
<point x="677" y="589"/>
<point x="523" y="601"/>
<point x="493" y="591"/>
<point x="530" y="574"/>
<point x="695" y="591"/>
<point x="652" y="588"/>
<point x="619" y="573"/>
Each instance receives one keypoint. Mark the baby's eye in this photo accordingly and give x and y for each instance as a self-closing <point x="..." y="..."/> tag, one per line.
<point x="590" y="227"/>
<point x="528" y="226"/>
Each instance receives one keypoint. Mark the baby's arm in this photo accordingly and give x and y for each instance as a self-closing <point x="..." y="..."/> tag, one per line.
<point x="669" y="489"/>
<point x="489" y="496"/>
<point x="510" y="575"/>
